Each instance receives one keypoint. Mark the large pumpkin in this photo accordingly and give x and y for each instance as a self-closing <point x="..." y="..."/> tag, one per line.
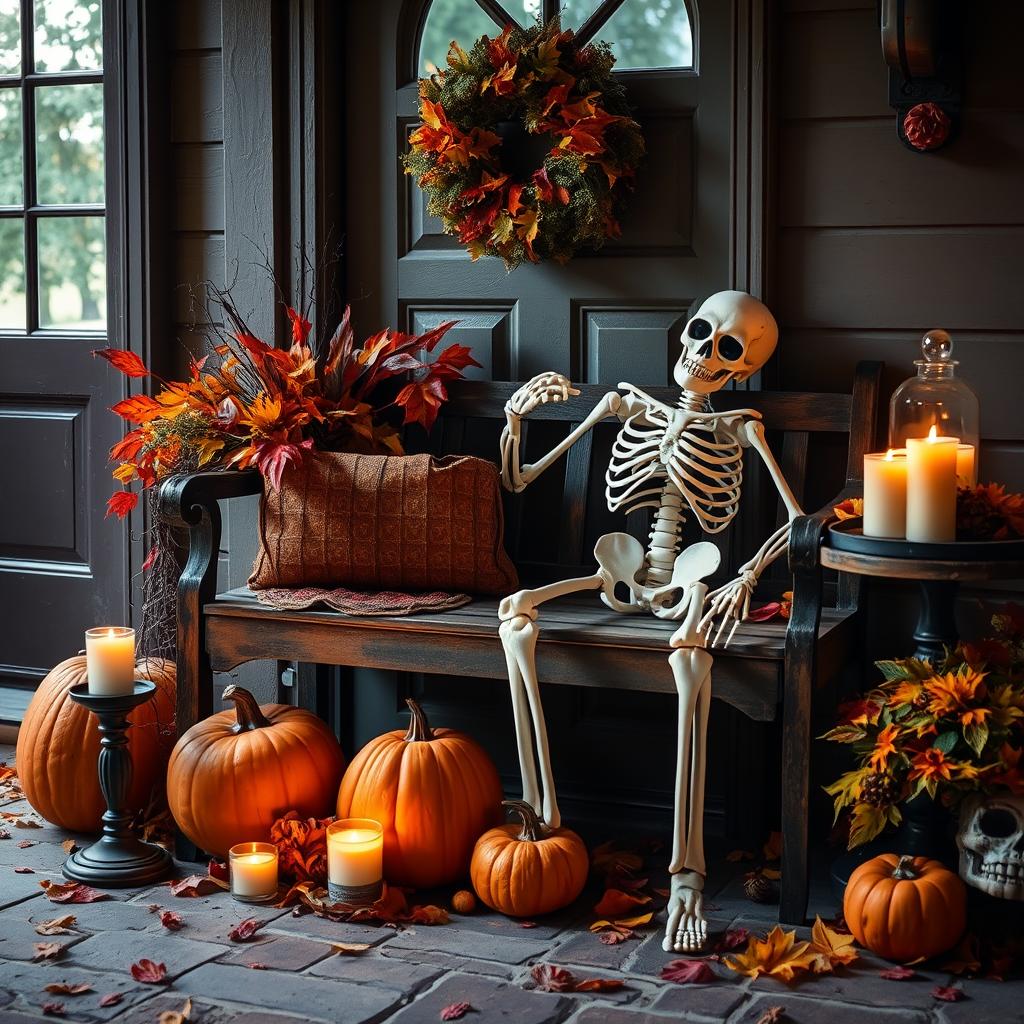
<point x="434" y="791"/>
<point x="525" y="870"/>
<point x="59" y="747"/>
<point x="905" y="908"/>
<point x="234" y="774"/>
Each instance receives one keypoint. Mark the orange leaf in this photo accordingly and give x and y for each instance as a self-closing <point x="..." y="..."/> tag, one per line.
<point x="127" y="362"/>
<point x="832" y="948"/>
<point x="138" y="409"/>
<point x="615" y="903"/>
<point x="777" y="954"/>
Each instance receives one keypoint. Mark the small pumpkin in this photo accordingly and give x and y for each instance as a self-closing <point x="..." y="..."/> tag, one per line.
<point x="59" y="747"/>
<point x="526" y="869"/>
<point x="433" y="790"/>
<point x="905" y="908"/>
<point x="234" y="774"/>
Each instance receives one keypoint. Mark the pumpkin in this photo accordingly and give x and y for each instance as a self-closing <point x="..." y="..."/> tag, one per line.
<point x="59" y="746"/>
<point x="434" y="791"/>
<point x="905" y="908"/>
<point x="526" y="869"/>
<point x="234" y="774"/>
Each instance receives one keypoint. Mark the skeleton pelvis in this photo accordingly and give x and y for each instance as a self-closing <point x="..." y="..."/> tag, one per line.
<point x="622" y="560"/>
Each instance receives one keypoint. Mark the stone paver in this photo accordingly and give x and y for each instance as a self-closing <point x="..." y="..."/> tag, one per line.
<point x="117" y="951"/>
<point x="476" y="945"/>
<point x="448" y="962"/>
<point x="103" y="916"/>
<point x="18" y="936"/>
<point x="370" y="970"/>
<point x="203" y="1012"/>
<point x="814" y="1011"/>
<point x="207" y="918"/>
<point x="282" y="952"/>
<point x="28" y="982"/>
<point x="700" y="1002"/>
<point x="491" y="1001"/>
<point x="861" y="984"/>
<point x="314" y="998"/>
<point x="314" y="927"/>
<point x="15" y="888"/>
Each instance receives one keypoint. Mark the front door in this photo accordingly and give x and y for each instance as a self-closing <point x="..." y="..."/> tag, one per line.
<point x="603" y="317"/>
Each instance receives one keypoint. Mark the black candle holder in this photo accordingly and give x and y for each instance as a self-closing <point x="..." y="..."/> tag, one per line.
<point x="119" y="858"/>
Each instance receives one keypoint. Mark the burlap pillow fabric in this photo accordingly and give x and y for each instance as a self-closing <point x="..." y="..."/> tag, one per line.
<point x="376" y="522"/>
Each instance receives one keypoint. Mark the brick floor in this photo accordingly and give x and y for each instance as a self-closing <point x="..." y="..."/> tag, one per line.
<point x="409" y="975"/>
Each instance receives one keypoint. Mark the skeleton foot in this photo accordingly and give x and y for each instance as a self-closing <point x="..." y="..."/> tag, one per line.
<point x="687" y="929"/>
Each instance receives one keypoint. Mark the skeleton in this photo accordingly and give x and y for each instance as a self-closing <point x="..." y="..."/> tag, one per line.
<point x="991" y="841"/>
<point x="677" y="461"/>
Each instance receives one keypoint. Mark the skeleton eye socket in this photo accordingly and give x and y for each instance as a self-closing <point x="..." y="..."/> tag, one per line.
<point x="729" y="348"/>
<point x="699" y="329"/>
<point x="997" y="823"/>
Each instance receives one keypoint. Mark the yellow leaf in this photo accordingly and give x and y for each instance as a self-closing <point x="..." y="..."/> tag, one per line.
<point x="527" y="223"/>
<point x="777" y="954"/>
<point x="208" y="447"/>
<point x="866" y="823"/>
<point x="457" y="57"/>
<point x="831" y="947"/>
<point x="124" y="472"/>
<point x="634" y="922"/>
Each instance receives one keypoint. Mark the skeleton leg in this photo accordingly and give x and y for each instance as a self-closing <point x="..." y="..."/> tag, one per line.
<point x="519" y="632"/>
<point x="686" y="928"/>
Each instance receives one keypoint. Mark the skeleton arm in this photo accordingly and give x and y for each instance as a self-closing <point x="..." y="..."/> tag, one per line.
<point x="544" y="388"/>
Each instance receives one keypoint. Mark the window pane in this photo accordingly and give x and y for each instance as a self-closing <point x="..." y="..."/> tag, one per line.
<point x="446" y="20"/>
<point x="650" y="34"/>
<point x="11" y="167"/>
<point x="12" y="273"/>
<point x="573" y="12"/>
<point x="69" y="143"/>
<point x="69" y="35"/>
<point x="72" y="273"/>
<point x="10" y="37"/>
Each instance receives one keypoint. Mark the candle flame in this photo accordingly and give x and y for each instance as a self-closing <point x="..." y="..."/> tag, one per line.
<point x="890" y="454"/>
<point x="111" y="633"/>
<point x="933" y="433"/>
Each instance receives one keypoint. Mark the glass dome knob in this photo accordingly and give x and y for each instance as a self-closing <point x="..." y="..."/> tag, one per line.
<point x="937" y="346"/>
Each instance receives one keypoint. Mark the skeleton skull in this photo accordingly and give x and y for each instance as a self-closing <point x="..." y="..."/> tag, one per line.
<point x="730" y="337"/>
<point x="991" y="841"/>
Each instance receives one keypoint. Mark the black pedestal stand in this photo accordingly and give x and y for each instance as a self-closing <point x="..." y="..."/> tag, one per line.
<point x="118" y="859"/>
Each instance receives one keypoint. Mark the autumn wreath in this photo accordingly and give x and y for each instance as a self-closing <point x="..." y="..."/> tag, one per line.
<point x="527" y="146"/>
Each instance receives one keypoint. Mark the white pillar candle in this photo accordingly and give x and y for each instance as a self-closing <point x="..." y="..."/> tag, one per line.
<point x="885" y="494"/>
<point x="355" y="860"/>
<point x="253" y="871"/>
<point x="110" y="660"/>
<point x="966" y="465"/>
<point x="931" y="488"/>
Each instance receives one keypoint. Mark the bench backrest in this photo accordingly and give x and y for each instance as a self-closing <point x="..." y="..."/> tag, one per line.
<point x="551" y="527"/>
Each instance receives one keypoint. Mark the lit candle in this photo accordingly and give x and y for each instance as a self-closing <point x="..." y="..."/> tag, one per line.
<point x="355" y="860"/>
<point x="931" y="488"/>
<point x="110" y="660"/>
<point x="966" y="466"/>
<point x="253" y="872"/>
<point x="885" y="494"/>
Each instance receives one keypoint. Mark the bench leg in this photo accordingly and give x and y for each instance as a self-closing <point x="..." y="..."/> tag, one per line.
<point x="801" y="654"/>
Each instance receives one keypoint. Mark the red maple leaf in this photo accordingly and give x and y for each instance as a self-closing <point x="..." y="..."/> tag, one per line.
<point x="687" y="972"/>
<point x="245" y="930"/>
<point x="127" y="362"/>
<point x="550" y="978"/>
<point x="121" y="504"/>
<point x="71" y="892"/>
<point x="111" y="998"/>
<point x="171" y="921"/>
<point x="128" y="447"/>
<point x="151" y="558"/>
<point x="948" y="993"/>
<point x="897" y="973"/>
<point x="197" y="885"/>
<point x="300" y="327"/>
<point x="456" y="1011"/>
<point x="271" y="457"/>
<point x="149" y="972"/>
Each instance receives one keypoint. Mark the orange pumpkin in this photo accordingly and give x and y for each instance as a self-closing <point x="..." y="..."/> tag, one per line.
<point x="59" y="747"/>
<point x="433" y="790"/>
<point x="526" y="869"/>
<point x="234" y="774"/>
<point x="905" y="908"/>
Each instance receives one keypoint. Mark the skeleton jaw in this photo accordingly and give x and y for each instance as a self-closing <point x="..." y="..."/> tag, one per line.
<point x="694" y="376"/>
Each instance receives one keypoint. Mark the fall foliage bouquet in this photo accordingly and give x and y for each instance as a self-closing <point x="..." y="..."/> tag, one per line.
<point x="557" y="94"/>
<point x="942" y="731"/>
<point x="248" y="403"/>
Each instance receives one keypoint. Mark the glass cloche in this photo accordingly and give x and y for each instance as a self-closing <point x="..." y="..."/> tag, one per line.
<point x="937" y="398"/>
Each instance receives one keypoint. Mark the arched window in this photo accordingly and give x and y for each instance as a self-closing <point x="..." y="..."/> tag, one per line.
<point x="645" y="34"/>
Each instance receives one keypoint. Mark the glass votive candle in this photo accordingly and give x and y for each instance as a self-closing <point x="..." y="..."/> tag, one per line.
<point x="355" y="861"/>
<point x="110" y="660"/>
<point x="253" y="869"/>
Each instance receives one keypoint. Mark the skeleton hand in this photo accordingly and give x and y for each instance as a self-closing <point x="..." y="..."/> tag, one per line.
<point x="544" y="388"/>
<point x="730" y="602"/>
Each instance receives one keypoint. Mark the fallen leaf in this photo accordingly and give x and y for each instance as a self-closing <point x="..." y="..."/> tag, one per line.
<point x="27" y="823"/>
<point x="245" y="930"/>
<point x="218" y="870"/>
<point x="773" y="873"/>
<point x="111" y="998"/>
<point x="527" y="924"/>
<point x="26" y="844"/>
<point x="616" y="903"/>
<point x="62" y="988"/>
<point x="773" y="1015"/>
<point x="47" y="950"/>
<point x="56" y="925"/>
<point x="54" y="1010"/>
<point x="154" y="908"/>
<point x="257" y="966"/>
<point x="149" y="971"/>
<point x="897" y="973"/>
<point x="777" y="954"/>
<point x="69" y="846"/>
<point x="171" y="921"/>
<point x="687" y="972"/>
<point x="350" y="948"/>
<point x="177" y="1016"/>
<point x="599" y="985"/>
<point x="71" y="892"/>
<point x="550" y="978"/>
<point x="734" y="856"/>
<point x="830" y="947"/>
<point x="966" y="958"/>
<point x="732" y="939"/>
<point x="614" y="936"/>
<point x="391" y="909"/>
<point x="197" y="885"/>
<point x="4" y="834"/>
<point x="948" y="993"/>
<point x="456" y="1011"/>
<point x="24" y="871"/>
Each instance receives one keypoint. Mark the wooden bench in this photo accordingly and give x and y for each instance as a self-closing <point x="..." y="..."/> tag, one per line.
<point x="582" y="643"/>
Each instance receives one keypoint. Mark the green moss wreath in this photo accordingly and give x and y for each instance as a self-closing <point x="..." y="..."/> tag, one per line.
<point x="484" y="114"/>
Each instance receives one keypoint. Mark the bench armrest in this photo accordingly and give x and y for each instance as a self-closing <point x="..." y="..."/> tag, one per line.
<point x="184" y="498"/>
<point x="807" y="531"/>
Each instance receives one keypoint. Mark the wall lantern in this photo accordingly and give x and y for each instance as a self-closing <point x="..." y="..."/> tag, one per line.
<point x="921" y="45"/>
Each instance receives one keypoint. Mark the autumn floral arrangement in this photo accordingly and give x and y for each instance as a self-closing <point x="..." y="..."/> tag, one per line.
<point x="943" y="731"/>
<point x="250" y="404"/>
<point x="533" y="85"/>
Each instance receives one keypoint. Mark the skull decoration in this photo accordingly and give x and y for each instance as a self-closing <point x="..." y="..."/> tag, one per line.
<point x="730" y="337"/>
<point x="991" y="841"/>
